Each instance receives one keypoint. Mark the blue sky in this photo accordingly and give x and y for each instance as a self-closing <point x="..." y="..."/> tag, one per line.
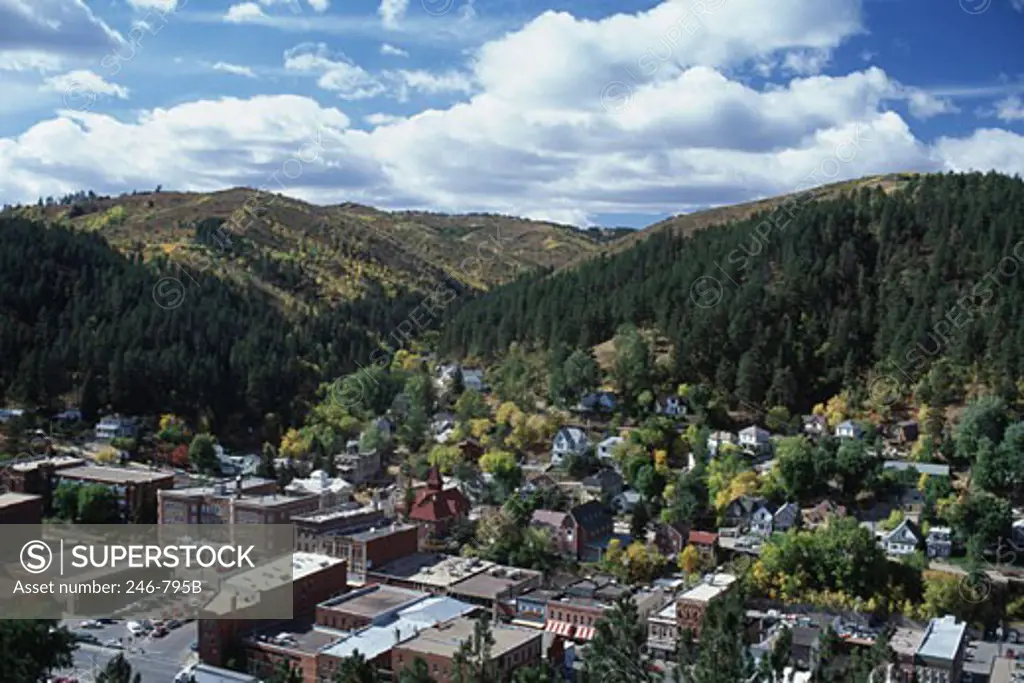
<point x="615" y="113"/>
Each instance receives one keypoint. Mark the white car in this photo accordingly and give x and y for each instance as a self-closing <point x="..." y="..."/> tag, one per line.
<point x="135" y="628"/>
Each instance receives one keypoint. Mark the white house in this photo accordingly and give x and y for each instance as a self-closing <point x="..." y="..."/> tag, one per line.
<point x="606" y="449"/>
<point x="754" y="438"/>
<point x="116" y="426"/>
<point x="815" y="425"/>
<point x="596" y="402"/>
<point x="10" y="413"/>
<point x="626" y="501"/>
<point x="333" y="491"/>
<point x="939" y="541"/>
<point x="716" y="439"/>
<point x="762" y="521"/>
<point x="670" y="405"/>
<point x="568" y="441"/>
<point x="473" y="380"/>
<point x="902" y="540"/>
<point x="849" y="430"/>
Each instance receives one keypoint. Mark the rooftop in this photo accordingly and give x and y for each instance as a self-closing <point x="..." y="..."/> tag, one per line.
<point x="375" y="600"/>
<point x="114" y="475"/>
<point x="905" y="641"/>
<point x="930" y="468"/>
<point x="444" y="639"/>
<point x="710" y="588"/>
<point x="432" y="569"/>
<point x="299" y="636"/>
<point x="667" y="613"/>
<point x="56" y="461"/>
<point x="350" y="509"/>
<point x="378" y="639"/>
<point x="204" y="673"/>
<point x="942" y="638"/>
<point x="7" y="499"/>
<point x="271" y="500"/>
<point x="226" y="488"/>
<point x="371" y="534"/>
<point x="282" y="571"/>
<point x="494" y="583"/>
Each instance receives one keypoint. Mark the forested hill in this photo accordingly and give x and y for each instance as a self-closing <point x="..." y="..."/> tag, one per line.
<point x="789" y="306"/>
<point x="77" y="317"/>
<point x="307" y="256"/>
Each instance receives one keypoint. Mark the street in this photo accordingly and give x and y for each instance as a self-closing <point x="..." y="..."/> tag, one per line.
<point x="158" y="659"/>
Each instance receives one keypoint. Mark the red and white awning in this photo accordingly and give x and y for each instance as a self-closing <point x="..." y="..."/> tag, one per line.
<point x="560" y="628"/>
<point x="585" y="632"/>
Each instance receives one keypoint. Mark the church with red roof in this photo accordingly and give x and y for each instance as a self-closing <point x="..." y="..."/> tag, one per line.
<point x="435" y="509"/>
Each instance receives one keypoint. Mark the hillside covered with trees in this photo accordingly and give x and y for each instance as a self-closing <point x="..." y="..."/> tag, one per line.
<point x="912" y="290"/>
<point x="79" y="320"/>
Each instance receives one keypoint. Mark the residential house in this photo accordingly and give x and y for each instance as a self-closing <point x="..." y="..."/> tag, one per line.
<point x="907" y="431"/>
<point x="539" y="482"/>
<point x="385" y="426"/>
<point x="561" y="526"/>
<point x="606" y="449"/>
<point x="755" y="439"/>
<point x="116" y="427"/>
<point x="597" y="402"/>
<point x="1017" y="532"/>
<point x="762" y="520"/>
<point x="604" y="483"/>
<point x="473" y="380"/>
<point x="910" y="494"/>
<point x="902" y="540"/>
<point x="626" y="502"/>
<point x="741" y="513"/>
<point x="333" y="491"/>
<point x="786" y="517"/>
<point x="71" y="415"/>
<point x="442" y="427"/>
<point x="939" y="541"/>
<point x="595" y="527"/>
<point x="7" y="414"/>
<point x="849" y="430"/>
<point x="706" y="543"/>
<point x="819" y="515"/>
<point x="568" y="441"/>
<point x="357" y="465"/>
<point x="670" y="538"/>
<point x="815" y="425"/>
<point x="435" y="509"/>
<point x="670" y="405"/>
<point x="717" y="439"/>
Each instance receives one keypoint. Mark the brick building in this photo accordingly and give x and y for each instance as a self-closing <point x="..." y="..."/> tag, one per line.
<point x="691" y="605"/>
<point x="244" y="501"/>
<point x="372" y="548"/>
<point x="513" y="648"/>
<point x="21" y="508"/>
<point x="137" y="489"/>
<point x="309" y="580"/>
<point x="362" y="607"/>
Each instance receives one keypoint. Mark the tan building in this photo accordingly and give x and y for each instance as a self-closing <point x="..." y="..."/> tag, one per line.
<point x="692" y="605"/>
<point x="513" y="648"/>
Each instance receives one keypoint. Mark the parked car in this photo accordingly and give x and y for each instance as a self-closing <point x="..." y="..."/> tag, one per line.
<point x="90" y="623"/>
<point x="194" y="646"/>
<point x="173" y="624"/>
<point x="135" y="628"/>
<point x="159" y="632"/>
<point x="85" y="637"/>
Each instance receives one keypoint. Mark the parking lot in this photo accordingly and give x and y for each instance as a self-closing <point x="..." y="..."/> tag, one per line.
<point x="157" y="659"/>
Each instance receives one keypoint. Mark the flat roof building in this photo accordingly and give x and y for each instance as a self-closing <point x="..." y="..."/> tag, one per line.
<point x="21" y="508"/>
<point x="512" y="648"/>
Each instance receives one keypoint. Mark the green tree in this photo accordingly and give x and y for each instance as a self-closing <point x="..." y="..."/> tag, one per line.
<point x="98" y="504"/>
<point x="618" y="652"/>
<point x="580" y="374"/>
<point x="632" y="365"/>
<point x="417" y="673"/>
<point x="32" y="648"/>
<point x="723" y="657"/>
<point x="471" y="406"/>
<point x="355" y="669"/>
<point x="985" y="417"/>
<point x="203" y="455"/>
<point x="267" y="469"/>
<point x="444" y="457"/>
<point x="796" y="463"/>
<point x="284" y="672"/>
<point x="118" y="670"/>
<point x="472" y="662"/>
<point x="65" y="500"/>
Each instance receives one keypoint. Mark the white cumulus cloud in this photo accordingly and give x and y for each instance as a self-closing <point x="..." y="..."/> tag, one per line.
<point x="392" y="12"/>
<point x="392" y="51"/>
<point x="236" y="69"/>
<point x="87" y="82"/>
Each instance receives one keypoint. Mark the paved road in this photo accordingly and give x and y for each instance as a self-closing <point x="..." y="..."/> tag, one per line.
<point x="158" y="659"/>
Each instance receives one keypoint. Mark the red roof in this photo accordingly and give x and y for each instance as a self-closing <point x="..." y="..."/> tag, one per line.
<point x="703" y="537"/>
<point x="432" y="506"/>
